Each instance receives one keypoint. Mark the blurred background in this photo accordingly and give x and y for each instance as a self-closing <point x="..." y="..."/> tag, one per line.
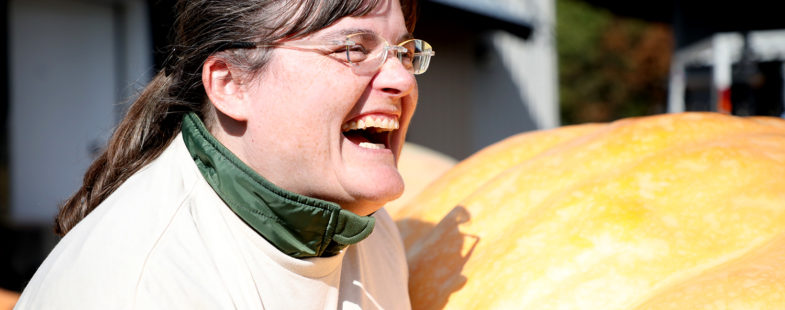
<point x="69" y="69"/>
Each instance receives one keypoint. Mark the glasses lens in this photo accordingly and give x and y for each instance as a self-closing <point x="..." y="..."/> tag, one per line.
<point x="369" y="52"/>
<point x="420" y="53"/>
<point x="407" y="54"/>
<point x="422" y="56"/>
<point x="366" y="53"/>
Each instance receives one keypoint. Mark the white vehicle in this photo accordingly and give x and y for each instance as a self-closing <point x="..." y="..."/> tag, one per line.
<point x="734" y="73"/>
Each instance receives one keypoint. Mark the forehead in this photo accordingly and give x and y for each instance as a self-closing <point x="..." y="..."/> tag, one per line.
<point x="385" y="20"/>
<point x="340" y="33"/>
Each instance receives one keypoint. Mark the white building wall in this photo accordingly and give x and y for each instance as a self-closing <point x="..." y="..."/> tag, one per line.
<point x="533" y="63"/>
<point x="484" y="86"/>
<point x="68" y="62"/>
<point x="530" y="100"/>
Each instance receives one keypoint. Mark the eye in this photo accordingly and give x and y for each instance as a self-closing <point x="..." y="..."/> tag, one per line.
<point x="356" y="52"/>
<point x="411" y="50"/>
<point x="409" y="55"/>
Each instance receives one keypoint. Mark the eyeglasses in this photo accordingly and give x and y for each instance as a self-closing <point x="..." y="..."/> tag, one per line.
<point x="367" y="52"/>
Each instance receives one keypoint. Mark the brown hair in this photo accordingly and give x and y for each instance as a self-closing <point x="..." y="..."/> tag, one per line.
<point x="202" y="28"/>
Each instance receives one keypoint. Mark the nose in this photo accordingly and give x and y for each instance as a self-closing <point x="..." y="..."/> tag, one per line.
<point x="393" y="77"/>
<point x="398" y="52"/>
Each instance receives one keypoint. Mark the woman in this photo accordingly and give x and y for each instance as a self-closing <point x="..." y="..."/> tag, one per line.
<point x="251" y="172"/>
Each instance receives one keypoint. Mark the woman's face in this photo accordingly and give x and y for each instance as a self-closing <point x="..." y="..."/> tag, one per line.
<point x="303" y="103"/>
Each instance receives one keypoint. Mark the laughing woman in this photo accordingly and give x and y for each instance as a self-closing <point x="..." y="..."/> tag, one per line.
<point x="252" y="171"/>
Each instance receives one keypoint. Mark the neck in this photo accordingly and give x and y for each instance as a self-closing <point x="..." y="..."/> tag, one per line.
<point x="298" y="225"/>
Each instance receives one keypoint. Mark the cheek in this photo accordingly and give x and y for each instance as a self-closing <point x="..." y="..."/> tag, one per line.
<point x="410" y="105"/>
<point x="325" y="92"/>
<point x="305" y="100"/>
<point x="414" y="95"/>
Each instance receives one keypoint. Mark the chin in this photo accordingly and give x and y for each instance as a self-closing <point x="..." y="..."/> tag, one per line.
<point x="371" y="194"/>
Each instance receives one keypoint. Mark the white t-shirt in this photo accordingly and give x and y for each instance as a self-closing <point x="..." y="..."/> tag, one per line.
<point x="165" y="240"/>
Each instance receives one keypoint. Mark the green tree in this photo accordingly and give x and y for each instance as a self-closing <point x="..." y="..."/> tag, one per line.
<point x="610" y="67"/>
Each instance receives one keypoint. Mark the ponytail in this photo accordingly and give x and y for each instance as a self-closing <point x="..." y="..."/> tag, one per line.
<point x="152" y="122"/>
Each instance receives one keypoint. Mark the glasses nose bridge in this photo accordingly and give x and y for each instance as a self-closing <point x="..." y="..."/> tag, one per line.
<point x="398" y="50"/>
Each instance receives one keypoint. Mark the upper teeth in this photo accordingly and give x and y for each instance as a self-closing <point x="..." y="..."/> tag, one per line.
<point x="381" y="122"/>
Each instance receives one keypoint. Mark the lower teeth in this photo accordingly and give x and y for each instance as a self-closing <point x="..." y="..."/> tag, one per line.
<point x="373" y="146"/>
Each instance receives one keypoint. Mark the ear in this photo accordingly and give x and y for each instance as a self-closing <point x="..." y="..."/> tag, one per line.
<point x="223" y="89"/>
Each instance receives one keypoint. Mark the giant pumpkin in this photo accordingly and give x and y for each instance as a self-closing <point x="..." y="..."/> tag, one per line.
<point x="676" y="211"/>
<point x="418" y="166"/>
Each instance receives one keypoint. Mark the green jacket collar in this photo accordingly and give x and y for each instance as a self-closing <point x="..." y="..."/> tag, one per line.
<point x="297" y="225"/>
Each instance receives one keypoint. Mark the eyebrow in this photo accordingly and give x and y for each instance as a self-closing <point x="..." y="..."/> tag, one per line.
<point x="347" y="31"/>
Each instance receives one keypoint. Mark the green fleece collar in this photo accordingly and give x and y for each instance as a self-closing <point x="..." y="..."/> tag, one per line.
<point x="297" y="225"/>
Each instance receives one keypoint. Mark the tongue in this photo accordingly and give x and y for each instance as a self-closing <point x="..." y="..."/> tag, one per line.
<point x="356" y="137"/>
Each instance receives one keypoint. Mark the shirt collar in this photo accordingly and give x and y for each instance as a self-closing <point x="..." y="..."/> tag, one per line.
<point x="298" y="225"/>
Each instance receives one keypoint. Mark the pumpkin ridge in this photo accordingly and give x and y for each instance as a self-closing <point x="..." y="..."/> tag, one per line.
<point x="563" y="286"/>
<point x="614" y="217"/>
<point x="455" y="179"/>
<point x="750" y="267"/>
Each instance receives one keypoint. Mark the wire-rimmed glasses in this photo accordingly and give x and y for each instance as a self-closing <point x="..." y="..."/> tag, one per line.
<point x="367" y="52"/>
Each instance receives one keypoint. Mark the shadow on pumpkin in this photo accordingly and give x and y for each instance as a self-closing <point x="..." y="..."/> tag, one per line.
<point x="436" y="260"/>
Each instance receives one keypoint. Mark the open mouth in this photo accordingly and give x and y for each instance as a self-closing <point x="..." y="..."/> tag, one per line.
<point x="370" y="131"/>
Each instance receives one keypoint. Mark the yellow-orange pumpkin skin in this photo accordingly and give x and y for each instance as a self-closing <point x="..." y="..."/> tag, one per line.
<point x="455" y="184"/>
<point x="675" y="211"/>
<point x="418" y="166"/>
